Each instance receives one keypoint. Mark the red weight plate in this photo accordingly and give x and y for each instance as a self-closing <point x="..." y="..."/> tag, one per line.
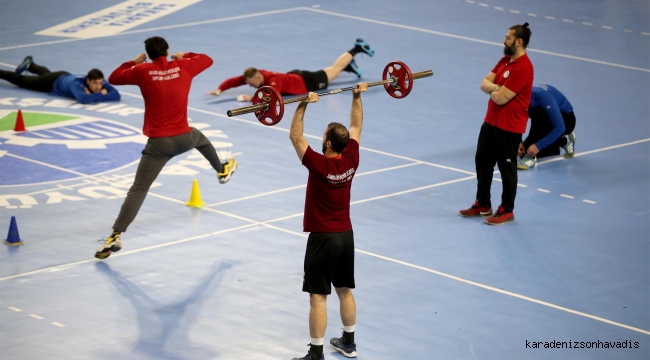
<point x="404" y="84"/>
<point x="274" y="113"/>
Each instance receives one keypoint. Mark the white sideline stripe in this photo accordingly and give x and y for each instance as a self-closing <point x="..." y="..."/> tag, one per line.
<point x="509" y="293"/>
<point x="589" y="201"/>
<point x="14" y="309"/>
<point x="238" y="17"/>
<point x="544" y="190"/>
<point x="58" y="324"/>
<point x="567" y="196"/>
<point x="478" y="40"/>
<point x="36" y="317"/>
<point x="303" y="186"/>
<point x="596" y="151"/>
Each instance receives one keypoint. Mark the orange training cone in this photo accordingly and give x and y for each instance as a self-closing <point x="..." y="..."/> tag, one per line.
<point x="195" y="196"/>
<point x="20" y="124"/>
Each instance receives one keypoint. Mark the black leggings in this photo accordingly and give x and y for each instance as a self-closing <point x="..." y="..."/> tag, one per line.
<point x="44" y="81"/>
<point x="496" y="147"/>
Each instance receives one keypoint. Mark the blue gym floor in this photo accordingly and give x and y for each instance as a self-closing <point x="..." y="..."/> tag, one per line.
<point x="224" y="281"/>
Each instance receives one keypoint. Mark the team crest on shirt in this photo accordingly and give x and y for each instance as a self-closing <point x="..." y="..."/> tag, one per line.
<point x="506" y="74"/>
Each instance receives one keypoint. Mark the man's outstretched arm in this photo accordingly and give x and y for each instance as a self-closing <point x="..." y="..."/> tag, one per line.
<point x="296" y="133"/>
<point x="356" y="113"/>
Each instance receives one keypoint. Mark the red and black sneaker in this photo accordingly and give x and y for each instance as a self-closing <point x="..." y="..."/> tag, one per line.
<point x="501" y="217"/>
<point x="476" y="210"/>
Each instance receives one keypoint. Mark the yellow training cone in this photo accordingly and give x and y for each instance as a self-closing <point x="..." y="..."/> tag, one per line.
<point x="195" y="196"/>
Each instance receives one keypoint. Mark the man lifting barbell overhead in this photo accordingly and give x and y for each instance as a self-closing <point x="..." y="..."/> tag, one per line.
<point x="297" y="82"/>
<point x="329" y="256"/>
<point x="268" y="104"/>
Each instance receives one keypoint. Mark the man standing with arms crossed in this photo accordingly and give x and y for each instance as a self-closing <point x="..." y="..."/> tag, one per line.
<point x="509" y="86"/>
<point x="165" y="86"/>
<point x="329" y="257"/>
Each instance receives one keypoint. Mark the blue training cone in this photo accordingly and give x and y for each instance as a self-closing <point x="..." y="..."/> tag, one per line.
<point x="13" y="239"/>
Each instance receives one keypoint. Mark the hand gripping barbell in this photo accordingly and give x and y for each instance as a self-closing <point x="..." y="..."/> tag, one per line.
<point x="397" y="81"/>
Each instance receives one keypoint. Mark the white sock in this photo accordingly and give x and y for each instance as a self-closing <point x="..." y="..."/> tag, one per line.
<point x="349" y="329"/>
<point x="317" y="342"/>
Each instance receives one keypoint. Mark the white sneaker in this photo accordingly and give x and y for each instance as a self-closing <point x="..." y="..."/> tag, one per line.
<point x="527" y="162"/>
<point x="569" y="148"/>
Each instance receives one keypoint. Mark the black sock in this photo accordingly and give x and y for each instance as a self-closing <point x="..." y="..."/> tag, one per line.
<point x="355" y="50"/>
<point x="563" y="141"/>
<point x="315" y="351"/>
<point x="348" y="337"/>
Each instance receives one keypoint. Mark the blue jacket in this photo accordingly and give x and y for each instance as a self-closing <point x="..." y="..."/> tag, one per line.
<point x="73" y="86"/>
<point x="554" y="103"/>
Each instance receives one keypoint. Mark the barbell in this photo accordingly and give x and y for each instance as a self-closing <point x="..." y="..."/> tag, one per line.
<point x="397" y="81"/>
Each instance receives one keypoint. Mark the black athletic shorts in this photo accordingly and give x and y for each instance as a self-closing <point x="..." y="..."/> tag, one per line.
<point x="329" y="259"/>
<point x="314" y="80"/>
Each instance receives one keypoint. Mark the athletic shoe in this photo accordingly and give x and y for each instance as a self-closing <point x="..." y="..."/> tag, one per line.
<point x="229" y="168"/>
<point x="365" y="47"/>
<point x="353" y="68"/>
<point x="527" y="162"/>
<point x="112" y="244"/>
<point x="308" y="357"/>
<point x="501" y="217"/>
<point x="347" y="350"/>
<point x="569" y="148"/>
<point x="476" y="210"/>
<point x="24" y="66"/>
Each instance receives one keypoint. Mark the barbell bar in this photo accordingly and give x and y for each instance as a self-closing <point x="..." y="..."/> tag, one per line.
<point x="397" y="81"/>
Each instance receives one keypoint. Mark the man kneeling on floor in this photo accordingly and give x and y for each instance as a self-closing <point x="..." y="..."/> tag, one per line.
<point x="551" y="127"/>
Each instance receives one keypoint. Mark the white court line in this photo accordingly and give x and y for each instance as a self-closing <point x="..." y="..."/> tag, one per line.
<point x="351" y="17"/>
<point x="277" y="128"/>
<point x="544" y="191"/>
<point x="478" y="40"/>
<point x="47" y="165"/>
<point x="58" y="324"/>
<point x="596" y="151"/>
<point x="252" y="223"/>
<point x="305" y="185"/>
<point x="36" y="317"/>
<point x="509" y="293"/>
<point x="14" y="309"/>
<point x="238" y="17"/>
<point x="266" y="223"/>
<point x="514" y="11"/>
<point x="567" y="196"/>
<point x="587" y="23"/>
<point x="589" y="201"/>
<point x="550" y="17"/>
